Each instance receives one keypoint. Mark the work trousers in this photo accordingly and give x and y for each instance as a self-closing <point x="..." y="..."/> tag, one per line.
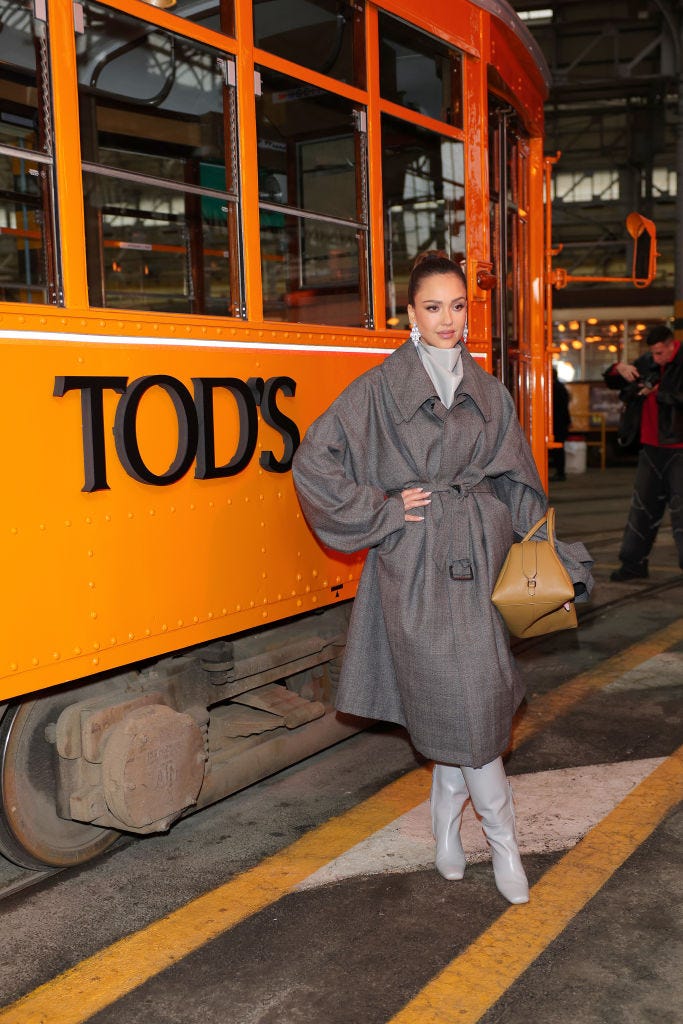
<point x="658" y="483"/>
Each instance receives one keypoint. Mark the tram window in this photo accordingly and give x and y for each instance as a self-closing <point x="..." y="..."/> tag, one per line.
<point x="423" y="176"/>
<point x="160" y="177"/>
<point x="27" y="264"/>
<point x="326" y="36"/>
<point x="312" y="180"/>
<point x="214" y="14"/>
<point x="419" y="72"/>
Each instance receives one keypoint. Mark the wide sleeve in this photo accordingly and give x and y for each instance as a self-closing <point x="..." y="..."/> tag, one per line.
<point x="518" y="484"/>
<point x="345" y="513"/>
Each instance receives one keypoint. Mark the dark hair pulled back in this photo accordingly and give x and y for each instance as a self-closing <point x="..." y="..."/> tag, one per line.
<point x="425" y="264"/>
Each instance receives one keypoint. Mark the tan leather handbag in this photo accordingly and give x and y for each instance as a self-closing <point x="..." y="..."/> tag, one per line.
<point x="533" y="592"/>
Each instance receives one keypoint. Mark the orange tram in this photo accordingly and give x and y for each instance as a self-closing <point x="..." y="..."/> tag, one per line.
<point x="208" y="210"/>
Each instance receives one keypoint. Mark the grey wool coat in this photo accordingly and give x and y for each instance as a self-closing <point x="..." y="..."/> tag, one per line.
<point x="426" y="647"/>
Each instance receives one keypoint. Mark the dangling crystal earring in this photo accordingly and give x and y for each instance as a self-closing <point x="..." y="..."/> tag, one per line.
<point x="414" y="333"/>
<point x="464" y="334"/>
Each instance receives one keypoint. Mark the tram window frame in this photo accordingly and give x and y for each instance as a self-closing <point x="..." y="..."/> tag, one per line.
<point x="316" y="282"/>
<point x="31" y="172"/>
<point x="302" y="48"/>
<point x="114" y="174"/>
<point x="397" y="276"/>
<point x="396" y="34"/>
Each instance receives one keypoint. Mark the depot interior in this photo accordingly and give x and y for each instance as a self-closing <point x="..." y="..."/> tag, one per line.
<point x="613" y="115"/>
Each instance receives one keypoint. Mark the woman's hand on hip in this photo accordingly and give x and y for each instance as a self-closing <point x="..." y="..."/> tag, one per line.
<point x="415" y="497"/>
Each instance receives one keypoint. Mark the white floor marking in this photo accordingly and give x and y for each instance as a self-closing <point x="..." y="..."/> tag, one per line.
<point x="554" y="811"/>
<point x="665" y="669"/>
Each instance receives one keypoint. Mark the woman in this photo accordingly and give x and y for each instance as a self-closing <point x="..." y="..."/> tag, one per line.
<point x="422" y="461"/>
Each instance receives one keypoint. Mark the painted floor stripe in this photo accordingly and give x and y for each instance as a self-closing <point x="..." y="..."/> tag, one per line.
<point x="474" y="981"/>
<point x="99" y="980"/>
<point x="554" y="810"/>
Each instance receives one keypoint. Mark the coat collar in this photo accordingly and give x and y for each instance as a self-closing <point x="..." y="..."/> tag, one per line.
<point x="411" y="387"/>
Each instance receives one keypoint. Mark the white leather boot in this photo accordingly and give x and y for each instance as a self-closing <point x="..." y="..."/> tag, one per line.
<point x="447" y="800"/>
<point x="492" y="800"/>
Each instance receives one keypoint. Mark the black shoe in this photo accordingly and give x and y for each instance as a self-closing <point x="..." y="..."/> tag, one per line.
<point x="625" y="575"/>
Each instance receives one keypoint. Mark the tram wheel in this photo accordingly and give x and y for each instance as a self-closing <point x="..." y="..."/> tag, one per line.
<point x="31" y="832"/>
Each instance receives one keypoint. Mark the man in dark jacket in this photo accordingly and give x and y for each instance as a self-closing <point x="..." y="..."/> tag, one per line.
<point x="652" y="390"/>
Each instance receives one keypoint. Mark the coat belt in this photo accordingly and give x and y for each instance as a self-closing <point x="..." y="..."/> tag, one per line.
<point x="451" y="546"/>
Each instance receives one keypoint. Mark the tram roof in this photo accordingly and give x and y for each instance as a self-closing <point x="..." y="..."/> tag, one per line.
<point x="502" y="10"/>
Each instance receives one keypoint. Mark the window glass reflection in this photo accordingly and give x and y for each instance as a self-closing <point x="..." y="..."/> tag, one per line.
<point x="214" y="14"/>
<point x="27" y="265"/>
<point x="419" y="72"/>
<point x="423" y="178"/>
<point x="323" y="35"/>
<point x="153" y="109"/>
<point x="312" y="182"/>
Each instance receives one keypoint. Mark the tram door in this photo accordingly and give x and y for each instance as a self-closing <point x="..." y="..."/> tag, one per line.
<point x="508" y="177"/>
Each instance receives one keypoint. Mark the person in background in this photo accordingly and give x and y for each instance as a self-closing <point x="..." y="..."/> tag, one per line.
<point x="561" y="424"/>
<point x="652" y="391"/>
<point x="422" y="461"/>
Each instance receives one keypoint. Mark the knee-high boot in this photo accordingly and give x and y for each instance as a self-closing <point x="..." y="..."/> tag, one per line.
<point x="492" y="799"/>
<point x="447" y="800"/>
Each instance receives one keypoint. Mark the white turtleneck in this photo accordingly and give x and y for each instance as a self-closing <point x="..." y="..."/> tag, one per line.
<point x="444" y="366"/>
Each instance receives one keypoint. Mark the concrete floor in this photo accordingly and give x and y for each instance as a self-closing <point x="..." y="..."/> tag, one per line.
<point x="372" y="928"/>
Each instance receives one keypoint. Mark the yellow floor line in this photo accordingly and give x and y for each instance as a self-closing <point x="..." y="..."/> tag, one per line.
<point x="99" y="980"/>
<point x="475" y="980"/>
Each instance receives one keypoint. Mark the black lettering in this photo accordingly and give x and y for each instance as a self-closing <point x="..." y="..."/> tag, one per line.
<point x="92" y="422"/>
<point x="125" y="430"/>
<point x="246" y="397"/>
<point x="287" y="428"/>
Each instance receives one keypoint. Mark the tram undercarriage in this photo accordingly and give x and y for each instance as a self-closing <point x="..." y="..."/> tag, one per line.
<point x="135" y="751"/>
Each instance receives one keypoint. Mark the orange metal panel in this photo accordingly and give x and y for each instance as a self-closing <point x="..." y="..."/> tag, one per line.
<point x="248" y="158"/>
<point x="540" y="360"/>
<point x="100" y="579"/>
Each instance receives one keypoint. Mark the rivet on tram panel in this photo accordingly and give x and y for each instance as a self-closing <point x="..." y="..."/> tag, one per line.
<point x="91" y="553"/>
<point x="263" y="550"/>
<point x="80" y="359"/>
<point x="251" y="604"/>
<point x="224" y="611"/>
<point x="180" y="622"/>
<point x="238" y="607"/>
<point x="314" y="573"/>
<point x="88" y="520"/>
<point x="43" y="321"/>
<point x="55" y="655"/>
<point x="107" y="518"/>
<point x="93" y="615"/>
<point x="131" y="636"/>
<point x="148" y="631"/>
<point x="298" y="576"/>
<point x="67" y="522"/>
<point x="96" y="645"/>
<point x="210" y="615"/>
<point x="42" y="526"/>
<point x="195" y="618"/>
<point x="95" y="660"/>
<point x="307" y="588"/>
<point x="229" y="501"/>
<point x="152" y="512"/>
<point x="131" y="515"/>
<point x="264" y="575"/>
<point x="325" y="583"/>
<point x="14" y="666"/>
<point x="172" y="328"/>
<point x="13" y="529"/>
<point x="299" y="603"/>
<point x="35" y="661"/>
<point x="164" y="627"/>
<point x="314" y="598"/>
<point x="192" y="506"/>
<point x="112" y="641"/>
<point x="172" y="509"/>
<point x="91" y="584"/>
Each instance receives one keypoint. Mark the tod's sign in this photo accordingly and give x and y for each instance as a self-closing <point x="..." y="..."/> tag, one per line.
<point x="195" y="415"/>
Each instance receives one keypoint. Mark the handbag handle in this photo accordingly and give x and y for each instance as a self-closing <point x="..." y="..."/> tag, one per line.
<point x="549" y="517"/>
